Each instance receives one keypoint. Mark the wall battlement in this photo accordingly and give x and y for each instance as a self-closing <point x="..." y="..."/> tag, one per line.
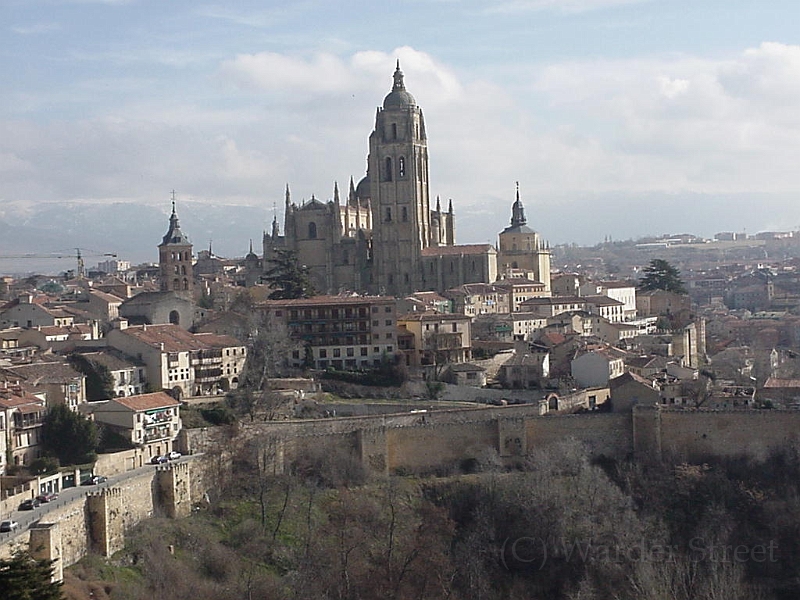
<point x="411" y="441"/>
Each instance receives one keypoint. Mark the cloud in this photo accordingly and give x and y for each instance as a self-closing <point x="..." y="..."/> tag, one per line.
<point x="631" y="132"/>
<point x="305" y="78"/>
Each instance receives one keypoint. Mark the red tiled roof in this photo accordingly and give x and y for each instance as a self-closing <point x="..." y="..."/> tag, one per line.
<point x="217" y="340"/>
<point x="148" y="401"/>
<point x="174" y="338"/>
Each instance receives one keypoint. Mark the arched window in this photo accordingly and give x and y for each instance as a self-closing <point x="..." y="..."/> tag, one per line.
<point x="183" y="269"/>
<point x="388" y="169"/>
<point x="174" y="317"/>
<point x="176" y="284"/>
<point x="405" y="214"/>
<point x="394" y="131"/>
<point x="312" y="230"/>
<point x="185" y="284"/>
<point x="401" y="166"/>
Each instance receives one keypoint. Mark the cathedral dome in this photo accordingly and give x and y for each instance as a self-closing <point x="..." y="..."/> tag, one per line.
<point x="362" y="189"/>
<point x="398" y="97"/>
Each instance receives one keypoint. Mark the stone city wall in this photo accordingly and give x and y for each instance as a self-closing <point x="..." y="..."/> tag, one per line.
<point x="98" y="520"/>
<point x="414" y="441"/>
<point x="699" y="434"/>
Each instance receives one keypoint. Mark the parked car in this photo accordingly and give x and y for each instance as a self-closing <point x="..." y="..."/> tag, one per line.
<point x="9" y="525"/>
<point x="47" y="497"/>
<point x="158" y="460"/>
<point x="29" y="504"/>
<point x="174" y="455"/>
<point x="95" y="479"/>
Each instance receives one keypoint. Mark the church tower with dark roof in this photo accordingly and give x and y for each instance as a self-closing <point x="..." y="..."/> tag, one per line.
<point x="175" y="259"/>
<point x="521" y="250"/>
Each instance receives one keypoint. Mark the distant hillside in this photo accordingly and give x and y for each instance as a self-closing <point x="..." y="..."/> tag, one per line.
<point x="132" y="232"/>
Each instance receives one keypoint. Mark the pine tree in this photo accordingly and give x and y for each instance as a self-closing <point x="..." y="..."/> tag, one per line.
<point x="99" y="380"/>
<point x="24" y="578"/>
<point x="288" y="278"/>
<point x="69" y="436"/>
<point x="661" y="275"/>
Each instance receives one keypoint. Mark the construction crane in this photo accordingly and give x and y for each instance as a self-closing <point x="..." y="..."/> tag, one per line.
<point x="79" y="255"/>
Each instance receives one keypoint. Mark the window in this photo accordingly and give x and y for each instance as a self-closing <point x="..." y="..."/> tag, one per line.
<point x="394" y="131"/>
<point x="405" y="214"/>
<point x="337" y="352"/>
<point x="312" y="230"/>
<point x="455" y="327"/>
<point x="351" y="352"/>
<point x="401" y="167"/>
<point x="387" y="309"/>
<point x="388" y="322"/>
<point x="363" y="351"/>
<point x="323" y="353"/>
<point x="375" y="323"/>
<point x="388" y="214"/>
<point x="388" y="169"/>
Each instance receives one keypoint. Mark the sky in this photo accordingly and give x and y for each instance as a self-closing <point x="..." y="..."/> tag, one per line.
<point x="619" y="118"/>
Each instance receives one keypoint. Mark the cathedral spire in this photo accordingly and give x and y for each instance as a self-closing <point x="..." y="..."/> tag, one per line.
<point x="438" y="205"/>
<point x="288" y="196"/>
<point x="275" y="230"/>
<point x="450" y="206"/>
<point x="517" y="212"/>
<point x="399" y="84"/>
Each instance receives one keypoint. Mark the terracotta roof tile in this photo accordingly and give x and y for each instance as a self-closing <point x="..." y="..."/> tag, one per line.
<point x="147" y="401"/>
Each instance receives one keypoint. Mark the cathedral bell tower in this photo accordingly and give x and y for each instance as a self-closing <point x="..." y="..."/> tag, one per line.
<point x="175" y="259"/>
<point x="398" y="175"/>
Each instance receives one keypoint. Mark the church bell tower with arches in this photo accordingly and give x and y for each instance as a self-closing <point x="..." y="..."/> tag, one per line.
<point x="175" y="259"/>
<point x="398" y="175"/>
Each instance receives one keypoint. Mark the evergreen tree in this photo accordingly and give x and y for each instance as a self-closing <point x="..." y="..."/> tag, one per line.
<point x="69" y="436"/>
<point x="24" y="578"/>
<point x="99" y="380"/>
<point x="288" y="278"/>
<point x="662" y="275"/>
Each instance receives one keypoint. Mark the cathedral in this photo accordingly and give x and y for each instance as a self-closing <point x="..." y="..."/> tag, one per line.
<point x="385" y="235"/>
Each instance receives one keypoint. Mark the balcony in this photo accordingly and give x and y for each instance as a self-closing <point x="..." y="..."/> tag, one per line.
<point x="159" y="432"/>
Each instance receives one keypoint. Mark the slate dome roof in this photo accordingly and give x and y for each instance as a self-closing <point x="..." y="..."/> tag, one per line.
<point x="398" y="97"/>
